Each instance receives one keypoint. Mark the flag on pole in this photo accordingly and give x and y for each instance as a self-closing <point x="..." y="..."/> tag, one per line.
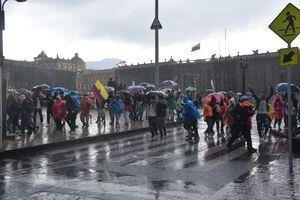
<point x="196" y="47"/>
<point x="99" y="93"/>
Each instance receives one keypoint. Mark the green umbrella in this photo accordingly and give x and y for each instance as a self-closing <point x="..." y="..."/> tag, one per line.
<point x="191" y="89"/>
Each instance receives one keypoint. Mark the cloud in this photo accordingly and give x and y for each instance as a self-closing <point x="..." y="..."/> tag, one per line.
<point x="129" y="20"/>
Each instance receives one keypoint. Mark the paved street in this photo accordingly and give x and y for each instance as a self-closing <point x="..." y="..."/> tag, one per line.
<point x="47" y="134"/>
<point x="138" y="167"/>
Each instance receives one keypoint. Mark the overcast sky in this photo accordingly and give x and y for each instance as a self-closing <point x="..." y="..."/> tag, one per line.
<point x="99" y="29"/>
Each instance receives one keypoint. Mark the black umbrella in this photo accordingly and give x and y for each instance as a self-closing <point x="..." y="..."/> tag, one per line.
<point x="124" y="92"/>
<point x="157" y="93"/>
<point x="282" y="88"/>
<point x="41" y="87"/>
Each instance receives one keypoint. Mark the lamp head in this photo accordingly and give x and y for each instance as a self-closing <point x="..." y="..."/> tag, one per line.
<point x="20" y="0"/>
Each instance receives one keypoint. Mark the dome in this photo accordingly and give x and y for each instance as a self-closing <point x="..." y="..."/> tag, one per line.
<point x="77" y="59"/>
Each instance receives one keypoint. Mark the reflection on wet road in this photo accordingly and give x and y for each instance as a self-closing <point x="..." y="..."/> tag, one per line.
<point x="138" y="167"/>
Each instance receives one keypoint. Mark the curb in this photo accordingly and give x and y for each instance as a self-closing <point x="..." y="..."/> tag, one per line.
<point x="74" y="142"/>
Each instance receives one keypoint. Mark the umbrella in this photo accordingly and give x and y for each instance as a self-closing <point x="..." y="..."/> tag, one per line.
<point x="23" y="91"/>
<point x="150" y="87"/>
<point x="144" y="84"/>
<point x="208" y="91"/>
<point x="282" y="88"/>
<point x="41" y="87"/>
<point x="156" y="93"/>
<point x="123" y="92"/>
<point x="218" y="96"/>
<point x="231" y="93"/>
<point x="190" y="89"/>
<point x="136" y="89"/>
<point x="56" y="90"/>
<point x="169" y="84"/>
<point x="109" y="89"/>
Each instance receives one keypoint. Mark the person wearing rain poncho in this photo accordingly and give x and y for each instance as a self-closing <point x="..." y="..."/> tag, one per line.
<point x="86" y="106"/>
<point x="73" y="105"/>
<point x="190" y="115"/>
<point x="59" y="112"/>
<point x="117" y="108"/>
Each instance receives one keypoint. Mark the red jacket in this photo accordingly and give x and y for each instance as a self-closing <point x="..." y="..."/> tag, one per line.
<point x="59" y="110"/>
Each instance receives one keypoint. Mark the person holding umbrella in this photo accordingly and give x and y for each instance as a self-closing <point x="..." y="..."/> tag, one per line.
<point x="161" y="111"/>
<point x="191" y="115"/>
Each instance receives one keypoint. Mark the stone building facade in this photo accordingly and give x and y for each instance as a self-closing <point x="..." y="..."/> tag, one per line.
<point x="51" y="71"/>
<point x="86" y="79"/>
<point x="75" y="64"/>
<point x="225" y="72"/>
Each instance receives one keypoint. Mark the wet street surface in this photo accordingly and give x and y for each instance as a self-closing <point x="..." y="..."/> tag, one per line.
<point x="139" y="167"/>
<point x="47" y="134"/>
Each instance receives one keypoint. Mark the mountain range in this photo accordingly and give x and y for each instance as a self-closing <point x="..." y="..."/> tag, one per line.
<point x="106" y="63"/>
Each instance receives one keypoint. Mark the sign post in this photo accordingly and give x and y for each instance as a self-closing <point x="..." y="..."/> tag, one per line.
<point x="287" y="26"/>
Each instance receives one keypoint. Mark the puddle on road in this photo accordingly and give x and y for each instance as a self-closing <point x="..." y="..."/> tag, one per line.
<point x="58" y="196"/>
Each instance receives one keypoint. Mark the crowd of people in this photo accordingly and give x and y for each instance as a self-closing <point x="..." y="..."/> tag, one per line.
<point x="228" y="112"/>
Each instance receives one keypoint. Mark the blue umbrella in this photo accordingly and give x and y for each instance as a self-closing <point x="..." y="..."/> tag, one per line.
<point x="282" y="88"/>
<point x="56" y="90"/>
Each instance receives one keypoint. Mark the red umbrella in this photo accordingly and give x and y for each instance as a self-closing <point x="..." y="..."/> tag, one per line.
<point x="218" y="96"/>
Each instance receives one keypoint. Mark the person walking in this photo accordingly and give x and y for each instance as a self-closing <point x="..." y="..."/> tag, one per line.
<point x="27" y="115"/>
<point x="86" y="106"/>
<point x="111" y="114"/>
<point x="242" y="113"/>
<point x="73" y="106"/>
<point x="100" y="114"/>
<point x="262" y="109"/>
<point x="49" y="105"/>
<point x="171" y="103"/>
<point x="59" y="111"/>
<point x="278" y="106"/>
<point x="127" y="108"/>
<point x="117" y="108"/>
<point x="14" y="111"/>
<point x="37" y="98"/>
<point x="191" y="115"/>
<point x="152" y="116"/>
<point x="208" y="117"/>
<point x="161" y="111"/>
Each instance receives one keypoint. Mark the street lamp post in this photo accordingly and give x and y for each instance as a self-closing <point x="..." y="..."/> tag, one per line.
<point x="156" y="26"/>
<point x="244" y="66"/>
<point x="2" y="89"/>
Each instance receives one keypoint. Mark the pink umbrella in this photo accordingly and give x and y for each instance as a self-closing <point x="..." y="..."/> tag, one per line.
<point x="218" y="96"/>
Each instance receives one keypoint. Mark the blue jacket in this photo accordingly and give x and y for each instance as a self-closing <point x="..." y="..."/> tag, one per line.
<point x="190" y="111"/>
<point x="116" y="106"/>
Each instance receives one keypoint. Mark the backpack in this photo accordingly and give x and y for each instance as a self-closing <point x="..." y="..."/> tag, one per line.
<point x="231" y="115"/>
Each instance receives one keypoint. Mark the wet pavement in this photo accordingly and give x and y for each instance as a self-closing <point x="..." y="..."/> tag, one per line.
<point x="139" y="167"/>
<point x="47" y="134"/>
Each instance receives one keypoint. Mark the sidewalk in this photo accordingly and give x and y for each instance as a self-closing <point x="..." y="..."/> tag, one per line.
<point x="47" y="136"/>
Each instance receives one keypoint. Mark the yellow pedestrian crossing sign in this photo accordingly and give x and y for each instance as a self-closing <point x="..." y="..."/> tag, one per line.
<point x="289" y="57"/>
<point x="287" y="24"/>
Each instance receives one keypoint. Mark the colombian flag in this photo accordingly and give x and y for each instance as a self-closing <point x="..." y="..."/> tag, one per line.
<point x="99" y="93"/>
